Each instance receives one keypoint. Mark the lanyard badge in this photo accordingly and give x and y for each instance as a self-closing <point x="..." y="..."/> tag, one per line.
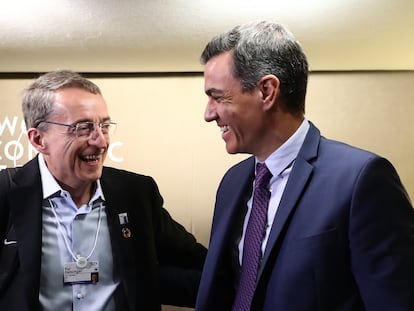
<point x="74" y="274"/>
<point x="82" y="270"/>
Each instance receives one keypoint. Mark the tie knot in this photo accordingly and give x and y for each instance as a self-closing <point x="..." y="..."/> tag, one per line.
<point x="263" y="175"/>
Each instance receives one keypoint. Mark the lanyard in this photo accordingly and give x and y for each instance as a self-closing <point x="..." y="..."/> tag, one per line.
<point x="81" y="261"/>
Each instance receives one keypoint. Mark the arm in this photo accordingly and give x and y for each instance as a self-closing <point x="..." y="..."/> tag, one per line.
<point x="181" y="257"/>
<point x="382" y="238"/>
<point x="8" y="255"/>
<point x="5" y="183"/>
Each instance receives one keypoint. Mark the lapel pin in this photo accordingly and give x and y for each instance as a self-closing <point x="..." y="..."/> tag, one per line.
<point x="123" y="218"/>
<point x="126" y="232"/>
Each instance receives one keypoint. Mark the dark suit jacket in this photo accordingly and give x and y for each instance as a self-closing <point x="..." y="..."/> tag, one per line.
<point x="157" y="243"/>
<point x="342" y="237"/>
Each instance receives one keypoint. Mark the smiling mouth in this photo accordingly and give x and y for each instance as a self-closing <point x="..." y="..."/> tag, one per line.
<point x="224" y="128"/>
<point x="90" y="157"/>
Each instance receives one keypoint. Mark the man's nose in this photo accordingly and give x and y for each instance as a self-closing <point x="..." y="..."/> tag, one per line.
<point x="210" y="113"/>
<point x="97" y="137"/>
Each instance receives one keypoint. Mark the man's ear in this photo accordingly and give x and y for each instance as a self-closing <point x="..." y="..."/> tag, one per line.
<point x="270" y="89"/>
<point x="36" y="138"/>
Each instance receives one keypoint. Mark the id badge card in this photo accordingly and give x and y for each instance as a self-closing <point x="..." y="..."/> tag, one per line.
<point x="87" y="273"/>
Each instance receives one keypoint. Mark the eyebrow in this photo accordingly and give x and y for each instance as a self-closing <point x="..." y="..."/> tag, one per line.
<point x="90" y="120"/>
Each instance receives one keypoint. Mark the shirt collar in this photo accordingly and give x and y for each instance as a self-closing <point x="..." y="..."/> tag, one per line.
<point x="286" y="154"/>
<point x="51" y="187"/>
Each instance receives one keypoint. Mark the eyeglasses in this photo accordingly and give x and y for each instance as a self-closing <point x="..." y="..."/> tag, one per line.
<point x="86" y="128"/>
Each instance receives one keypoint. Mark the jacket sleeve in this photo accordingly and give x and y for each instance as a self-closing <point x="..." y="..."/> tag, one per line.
<point x="382" y="238"/>
<point x="8" y="249"/>
<point x="181" y="257"/>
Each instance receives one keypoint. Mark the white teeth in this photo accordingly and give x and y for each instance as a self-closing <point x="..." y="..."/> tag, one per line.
<point x="91" y="157"/>
<point x="224" y="128"/>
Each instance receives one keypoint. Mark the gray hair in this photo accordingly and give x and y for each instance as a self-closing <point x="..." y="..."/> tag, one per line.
<point x="38" y="97"/>
<point x="260" y="48"/>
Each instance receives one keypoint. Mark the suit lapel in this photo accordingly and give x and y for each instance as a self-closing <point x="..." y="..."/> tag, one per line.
<point x="123" y="249"/>
<point x="231" y="197"/>
<point x="299" y="177"/>
<point x="117" y="204"/>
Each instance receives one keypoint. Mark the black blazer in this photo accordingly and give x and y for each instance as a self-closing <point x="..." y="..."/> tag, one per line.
<point x="159" y="248"/>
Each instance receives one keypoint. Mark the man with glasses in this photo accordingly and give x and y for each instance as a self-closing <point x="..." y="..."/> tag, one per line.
<point x="80" y="236"/>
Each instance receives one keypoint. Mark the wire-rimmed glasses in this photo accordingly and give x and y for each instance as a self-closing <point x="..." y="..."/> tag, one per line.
<point x="86" y="128"/>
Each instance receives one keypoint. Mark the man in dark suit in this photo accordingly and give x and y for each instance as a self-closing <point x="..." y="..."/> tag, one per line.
<point x="338" y="232"/>
<point x="79" y="236"/>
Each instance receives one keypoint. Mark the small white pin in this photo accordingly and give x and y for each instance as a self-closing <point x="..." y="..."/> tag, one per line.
<point x="123" y="218"/>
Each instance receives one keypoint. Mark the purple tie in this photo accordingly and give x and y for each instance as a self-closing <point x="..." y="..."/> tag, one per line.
<point x="255" y="231"/>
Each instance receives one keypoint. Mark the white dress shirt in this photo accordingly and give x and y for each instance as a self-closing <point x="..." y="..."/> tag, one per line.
<point x="280" y="164"/>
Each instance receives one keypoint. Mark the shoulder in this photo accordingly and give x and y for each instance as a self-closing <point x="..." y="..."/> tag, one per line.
<point x="319" y="149"/>
<point x="238" y="175"/>
<point x="241" y="168"/>
<point x="343" y="154"/>
<point x="349" y="163"/>
<point x="26" y="175"/>
<point x="114" y="176"/>
<point x="121" y="173"/>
